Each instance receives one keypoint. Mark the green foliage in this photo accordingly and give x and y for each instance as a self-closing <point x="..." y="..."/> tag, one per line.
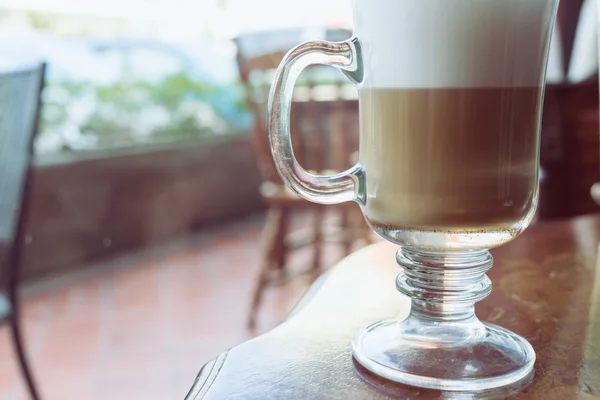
<point x="77" y="115"/>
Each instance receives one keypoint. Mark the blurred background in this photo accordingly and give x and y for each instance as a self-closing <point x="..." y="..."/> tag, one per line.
<point x="153" y="232"/>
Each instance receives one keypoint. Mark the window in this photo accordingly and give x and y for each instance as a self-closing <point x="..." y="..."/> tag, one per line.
<point x="136" y="72"/>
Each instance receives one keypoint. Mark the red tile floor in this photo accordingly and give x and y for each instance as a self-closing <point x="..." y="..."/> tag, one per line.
<point x="140" y="327"/>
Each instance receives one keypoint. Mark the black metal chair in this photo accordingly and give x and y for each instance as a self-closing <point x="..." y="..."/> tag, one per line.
<point x="20" y="100"/>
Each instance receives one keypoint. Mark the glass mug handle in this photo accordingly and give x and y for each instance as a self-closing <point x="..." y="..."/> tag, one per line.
<point x="333" y="189"/>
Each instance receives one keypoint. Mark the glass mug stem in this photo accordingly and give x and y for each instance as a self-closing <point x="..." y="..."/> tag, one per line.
<point x="444" y="287"/>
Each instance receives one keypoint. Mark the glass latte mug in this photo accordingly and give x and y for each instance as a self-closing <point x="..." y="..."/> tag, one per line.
<point x="450" y="99"/>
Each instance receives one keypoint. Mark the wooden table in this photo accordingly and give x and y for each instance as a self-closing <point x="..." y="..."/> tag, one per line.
<point x="546" y="288"/>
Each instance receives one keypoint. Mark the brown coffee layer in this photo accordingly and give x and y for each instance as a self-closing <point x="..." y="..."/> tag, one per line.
<point x="452" y="158"/>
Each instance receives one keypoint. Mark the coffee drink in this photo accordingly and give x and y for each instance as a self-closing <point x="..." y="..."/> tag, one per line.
<point x="449" y="123"/>
<point x="449" y="158"/>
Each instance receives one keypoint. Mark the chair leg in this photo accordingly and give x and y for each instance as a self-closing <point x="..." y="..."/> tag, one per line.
<point x="279" y="240"/>
<point x="318" y="244"/>
<point x="347" y="230"/>
<point x="360" y="227"/>
<point x="271" y="234"/>
<point x="20" y="351"/>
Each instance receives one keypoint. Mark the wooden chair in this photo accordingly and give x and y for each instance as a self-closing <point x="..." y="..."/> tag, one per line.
<point x="324" y="133"/>
<point x="570" y="134"/>
<point x="19" y="111"/>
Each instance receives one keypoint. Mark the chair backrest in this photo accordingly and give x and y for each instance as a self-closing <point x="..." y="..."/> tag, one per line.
<point x="324" y="110"/>
<point x="567" y="20"/>
<point x="20" y="93"/>
<point x="570" y="139"/>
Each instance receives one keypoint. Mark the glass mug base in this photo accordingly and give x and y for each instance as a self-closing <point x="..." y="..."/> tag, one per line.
<point x="495" y="357"/>
<point x="441" y="344"/>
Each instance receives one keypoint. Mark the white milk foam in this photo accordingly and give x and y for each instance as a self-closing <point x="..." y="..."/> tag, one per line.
<point x="452" y="43"/>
